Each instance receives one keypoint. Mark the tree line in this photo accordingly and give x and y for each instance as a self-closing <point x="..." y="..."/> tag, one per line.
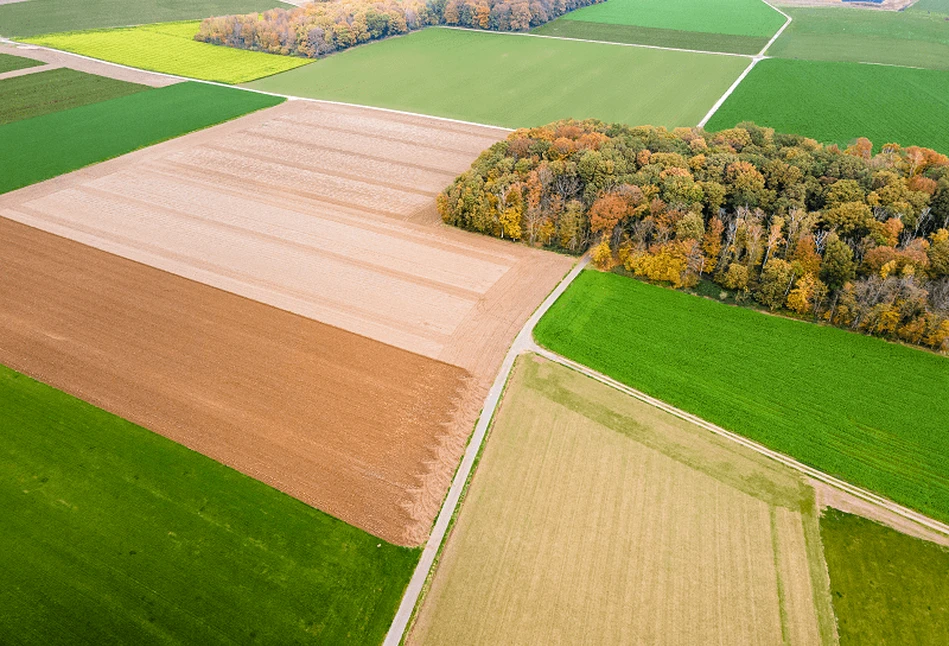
<point x="320" y="28"/>
<point x="849" y="237"/>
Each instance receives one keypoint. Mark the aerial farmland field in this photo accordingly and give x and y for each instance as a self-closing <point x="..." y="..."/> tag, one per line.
<point x="171" y="49"/>
<point x="828" y="397"/>
<point x="9" y="63"/>
<point x="112" y="534"/>
<point x="838" y="102"/>
<point x="516" y="80"/>
<point x="45" y="92"/>
<point x="594" y="518"/>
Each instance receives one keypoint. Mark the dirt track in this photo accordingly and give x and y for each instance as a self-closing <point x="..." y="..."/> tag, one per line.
<point x="56" y="59"/>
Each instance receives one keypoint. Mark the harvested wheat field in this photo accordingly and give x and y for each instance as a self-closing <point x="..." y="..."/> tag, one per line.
<point x="362" y="405"/>
<point x="596" y="519"/>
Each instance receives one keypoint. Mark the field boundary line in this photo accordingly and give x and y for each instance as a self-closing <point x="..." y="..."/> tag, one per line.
<point x="858" y="492"/>
<point x="787" y="22"/>
<point x="595" y="42"/>
<point x="523" y="342"/>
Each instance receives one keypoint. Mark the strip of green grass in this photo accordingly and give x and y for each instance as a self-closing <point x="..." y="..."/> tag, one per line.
<point x="870" y="412"/>
<point x="612" y="33"/>
<point x="887" y="588"/>
<point x="847" y="34"/>
<point x="735" y="17"/>
<point x="112" y="534"/>
<point x="36" y="149"/>
<point x="516" y="80"/>
<point x="170" y="48"/>
<point x="9" y="63"/>
<point x="838" y="102"/>
<point x="46" y="16"/>
<point x="934" y="6"/>
<point x="33" y="95"/>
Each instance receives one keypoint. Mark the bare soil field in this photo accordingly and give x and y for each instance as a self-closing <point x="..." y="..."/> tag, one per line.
<point x="55" y="59"/>
<point x="596" y="519"/>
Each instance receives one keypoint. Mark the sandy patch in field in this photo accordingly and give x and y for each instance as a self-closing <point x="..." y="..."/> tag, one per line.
<point x="61" y="59"/>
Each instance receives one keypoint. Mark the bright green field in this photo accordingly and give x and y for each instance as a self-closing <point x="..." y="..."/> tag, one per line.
<point x="47" y="16"/>
<point x="888" y="588"/>
<point x="33" y="95"/>
<point x="170" y="48"/>
<point x="846" y="34"/>
<point x="516" y="80"/>
<point x="8" y="63"/>
<point x="736" y="17"/>
<point x="613" y="33"/>
<point x="870" y="412"/>
<point x="838" y="102"/>
<point x="114" y="535"/>
<point x="36" y="149"/>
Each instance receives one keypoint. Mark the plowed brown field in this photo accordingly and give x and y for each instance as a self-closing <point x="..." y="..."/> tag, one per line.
<point x="322" y="211"/>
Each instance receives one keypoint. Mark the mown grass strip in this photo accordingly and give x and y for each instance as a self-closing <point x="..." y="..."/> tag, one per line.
<point x="113" y="534"/>
<point x="43" y="147"/>
<point x="887" y="588"/>
<point x="10" y="63"/>
<point x="838" y="102"/>
<point x="33" y="95"/>
<point x="869" y="412"/>
<point x="170" y="49"/>
<point x="634" y="35"/>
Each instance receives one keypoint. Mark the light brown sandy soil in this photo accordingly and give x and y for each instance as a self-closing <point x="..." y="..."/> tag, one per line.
<point x="327" y="212"/>
<point x="886" y="5"/>
<point x="56" y="59"/>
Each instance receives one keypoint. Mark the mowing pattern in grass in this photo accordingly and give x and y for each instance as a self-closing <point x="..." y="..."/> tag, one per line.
<point x="848" y="34"/>
<point x="42" y="93"/>
<point x="735" y="17"/>
<point x="870" y="412"/>
<point x="40" y="148"/>
<point x="46" y="16"/>
<point x="838" y="102"/>
<point x="112" y="534"/>
<point x="613" y="33"/>
<point x="169" y="48"/>
<point x="9" y="63"/>
<point x="516" y="80"/>
<point x="888" y="588"/>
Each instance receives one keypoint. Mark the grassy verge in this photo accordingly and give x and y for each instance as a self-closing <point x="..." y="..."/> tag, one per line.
<point x="870" y="412"/>
<point x="632" y="34"/>
<point x="838" y="102"/>
<point x="113" y="534"/>
<point x="516" y="80"/>
<point x="9" y="63"/>
<point x="34" y="95"/>
<point x="888" y="588"/>
<point x="171" y="49"/>
<point x="37" y="149"/>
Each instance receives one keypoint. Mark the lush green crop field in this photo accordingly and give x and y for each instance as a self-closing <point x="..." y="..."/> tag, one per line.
<point x="47" y="16"/>
<point x="8" y="63"/>
<point x="888" y="588"/>
<point x="170" y="48"/>
<point x="113" y="534"/>
<point x="613" y="33"/>
<point x="736" y="17"/>
<point x="22" y="97"/>
<point x="870" y="412"/>
<point x="53" y="144"/>
<point x="838" y="102"/>
<point x="516" y="80"/>
<point x="846" y="34"/>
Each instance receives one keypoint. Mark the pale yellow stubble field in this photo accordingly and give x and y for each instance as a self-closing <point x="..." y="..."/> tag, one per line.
<point x="596" y="519"/>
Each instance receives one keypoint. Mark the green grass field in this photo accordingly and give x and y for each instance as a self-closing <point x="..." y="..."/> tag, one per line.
<point x="846" y="34"/>
<point x="516" y="80"/>
<point x="613" y="33"/>
<point x="113" y="534"/>
<point x="36" y="149"/>
<point x="934" y="6"/>
<point x="47" y="16"/>
<point x="870" y="412"/>
<point x="888" y="588"/>
<point x="838" y="102"/>
<point x="9" y="63"/>
<point x="169" y="48"/>
<point x="33" y="95"/>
